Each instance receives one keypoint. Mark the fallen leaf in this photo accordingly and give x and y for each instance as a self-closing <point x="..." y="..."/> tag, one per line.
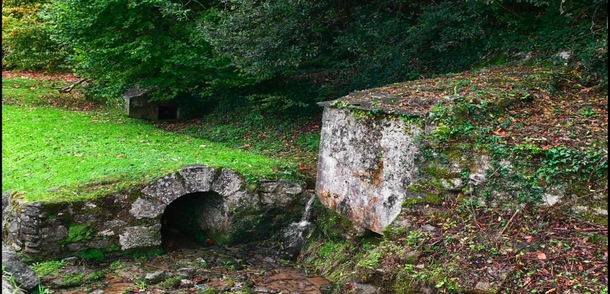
<point x="529" y="239"/>
<point x="500" y="132"/>
<point x="541" y="256"/>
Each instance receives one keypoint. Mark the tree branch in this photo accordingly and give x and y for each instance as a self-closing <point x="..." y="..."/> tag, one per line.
<point x="67" y="89"/>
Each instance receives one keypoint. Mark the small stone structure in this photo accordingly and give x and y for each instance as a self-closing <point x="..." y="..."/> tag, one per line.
<point x="371" y="159"/>
<point x="132" y="219"/>
<point x="137" y="105"/>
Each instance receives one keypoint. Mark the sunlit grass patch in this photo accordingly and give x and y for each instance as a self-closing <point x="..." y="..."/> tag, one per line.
<point x="51" y="154"/>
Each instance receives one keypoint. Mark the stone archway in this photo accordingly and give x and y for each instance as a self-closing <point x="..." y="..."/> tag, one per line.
<point x="225" y="187"/>
<point x="132" y="218"/>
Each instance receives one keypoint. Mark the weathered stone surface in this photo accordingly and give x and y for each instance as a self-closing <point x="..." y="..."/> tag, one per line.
<point x="279" y="193"/>
<point x="132" y="219"/>
<point x="289" y="188"/>
<point x="156" y="277"/>
<point x="22" y="274"/>
<point x="144" y="208"/>
<point x="98" y="244"/>
<point x="213" y="216"/>
<point x="6" y="207"/>
<point x="166" y="189"/>
<point x="241" y="200"/>
<point x="114" y="223"/>
<point x="483" y="287"/>
<point x="186" y="272"/>
<point x="364" y="289"/>
<point x="9" y="288"/>
<point x="75" y="246"/>
<point x="197" y="178"/>
<point x="140" y="237"/>
<point x="453" y="185"/>
<point x="292" y="239"/>
<point x="364" y="169"/>
<point x="55" y="233"/>
<point x="228" y="182"/>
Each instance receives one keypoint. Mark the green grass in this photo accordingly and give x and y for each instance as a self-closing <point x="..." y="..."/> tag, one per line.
<point x="50" y="154"/>
<point x="48" y="268"/>
<point x="25" y="91"/>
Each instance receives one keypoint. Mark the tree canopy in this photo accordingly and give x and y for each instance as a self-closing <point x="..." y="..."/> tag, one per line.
<point x="297" y="52"/>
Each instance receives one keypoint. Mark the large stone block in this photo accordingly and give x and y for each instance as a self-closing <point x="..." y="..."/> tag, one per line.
<point x="25" y="277"/>
<point x="167" y="188"/>
<point x="197" y="178"/>
<point x="228" y="182"/>
<point x="140" y="237"/>
<point x="144" y="208"/>
<point x="364" y="168"/>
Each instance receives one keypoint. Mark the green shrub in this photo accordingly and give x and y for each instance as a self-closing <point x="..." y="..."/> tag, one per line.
<point x="26" y="38"/>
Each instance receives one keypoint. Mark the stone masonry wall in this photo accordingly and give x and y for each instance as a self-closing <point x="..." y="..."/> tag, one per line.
<point x="369" y="165"/>
<point x="131" y="219"/>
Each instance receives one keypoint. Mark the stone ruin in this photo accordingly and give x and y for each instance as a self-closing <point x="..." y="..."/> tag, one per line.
<point x="218" y="204"/>
<point x="370" y="163"/>
<point x="137" y="105"/>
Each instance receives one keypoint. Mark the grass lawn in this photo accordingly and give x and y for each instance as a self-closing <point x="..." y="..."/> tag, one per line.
<point x="52" y="154"/>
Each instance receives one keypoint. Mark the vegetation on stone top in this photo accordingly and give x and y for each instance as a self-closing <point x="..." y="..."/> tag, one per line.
<point x="543" y="107"/>
<point x="487" y="85"/>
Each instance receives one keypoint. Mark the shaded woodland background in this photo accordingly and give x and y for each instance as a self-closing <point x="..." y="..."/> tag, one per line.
<point x="281" y="57"/>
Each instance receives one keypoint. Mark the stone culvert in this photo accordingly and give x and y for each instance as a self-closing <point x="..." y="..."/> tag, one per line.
<point x="209" y="203"/>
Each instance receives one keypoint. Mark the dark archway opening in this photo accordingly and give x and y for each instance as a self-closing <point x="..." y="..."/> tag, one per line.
<point x="168" y="112"/>
<point x="192" y="221"/>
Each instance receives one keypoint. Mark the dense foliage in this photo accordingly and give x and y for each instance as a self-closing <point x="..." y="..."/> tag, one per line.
<point x="283" y="55"/>
<point x="155" y="43"/>
<point x="26" y="38"/>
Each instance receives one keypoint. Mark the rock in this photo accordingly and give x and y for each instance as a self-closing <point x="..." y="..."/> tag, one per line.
<point x="9" y="288"/>
<point x="24" y="277"/>
<point x="6" y="208"/>
<point x="412" y="257"/>
<point x="364" y="169"/>
<point x="202" y="288"/>
<point x="292" y="239"/>
<point x="228" y="182"/>
<point x="167" y="189"/>
<point x="197" y="178"/>
<point x="358" y="288"/>
<point x="483" y="287"/>
<point x="55" y="233"/>
<point x="186" y="272"/>
<point x="428" y="228"/>
<point x="156" y="277"/>
<point x="143" y="208"/>
<point x="140" y="237"/>
<point x="453" y="185"/>
<point x="261" y="290"/>
<point x="71" y="260"/>
<point x="185" y="283"/>
<point x="328" y="288"/>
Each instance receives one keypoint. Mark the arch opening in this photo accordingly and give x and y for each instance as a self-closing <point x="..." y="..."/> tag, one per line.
<point x="192" y="221"/>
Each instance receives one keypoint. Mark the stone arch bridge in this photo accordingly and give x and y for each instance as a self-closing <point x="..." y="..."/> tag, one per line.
<point x="224" y="208"/>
